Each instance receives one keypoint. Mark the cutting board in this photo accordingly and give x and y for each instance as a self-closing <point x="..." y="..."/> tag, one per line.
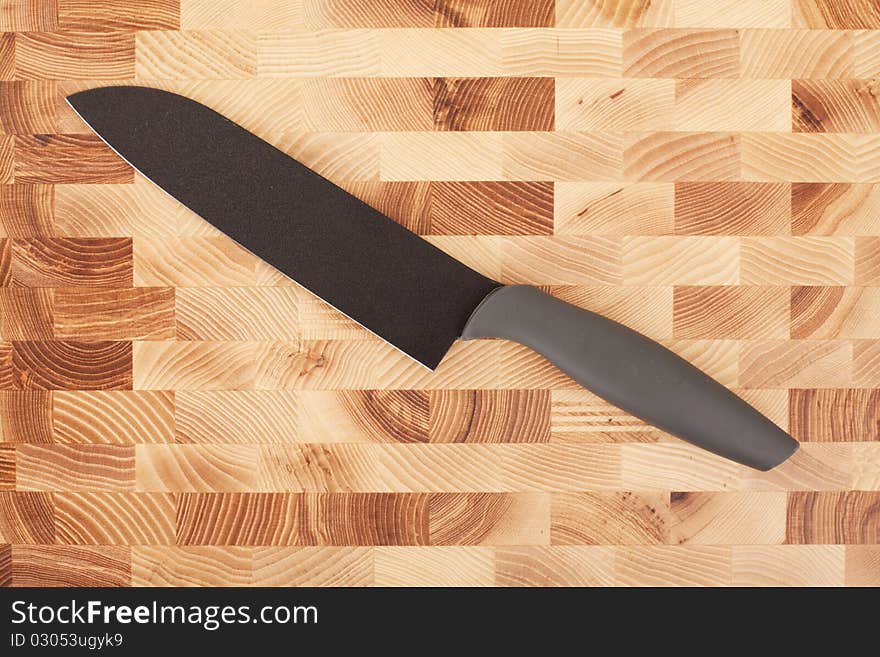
<point x="174" y="411"/>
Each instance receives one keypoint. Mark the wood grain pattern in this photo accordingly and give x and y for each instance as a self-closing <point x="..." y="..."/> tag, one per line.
<point x="173" y="411"/>
<point x="834" y="209"/>
<point x="74" y="55"/>
<point x="67" y="158"/>
<point x="26" y="417"/>
<point x="855" y="417"/>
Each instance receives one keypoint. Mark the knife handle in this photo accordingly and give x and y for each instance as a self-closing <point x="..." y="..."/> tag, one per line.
<point x="632" y="372"/>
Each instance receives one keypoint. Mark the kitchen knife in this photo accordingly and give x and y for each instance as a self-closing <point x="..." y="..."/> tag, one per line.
<point x="398" y="285"/>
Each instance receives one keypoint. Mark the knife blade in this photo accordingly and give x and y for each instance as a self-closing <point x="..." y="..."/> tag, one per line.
<point x="398" y="285"/>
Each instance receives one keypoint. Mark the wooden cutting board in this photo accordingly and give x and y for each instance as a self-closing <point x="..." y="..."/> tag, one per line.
<point x="173" y="411"/>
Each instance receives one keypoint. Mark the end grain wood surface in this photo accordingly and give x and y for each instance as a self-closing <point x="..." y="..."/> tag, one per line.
<point x="174" y="412"/>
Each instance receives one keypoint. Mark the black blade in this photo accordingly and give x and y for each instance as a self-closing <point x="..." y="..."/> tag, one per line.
<point x="375" y="271"/>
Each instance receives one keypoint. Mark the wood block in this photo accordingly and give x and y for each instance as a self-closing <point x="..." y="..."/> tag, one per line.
<point x="283" y="519"/>
<point x="834" y="312"/>
<point x="339" y="157"/>
<point x="196" y="365"/>
<point x="609" y="518"/>
<point x="26" y="517"/>
<point x="666" y="565"/>
<point x="746" y="105"/>
<point x="776" y="364"/>
<point x="738" y="313"/>
<point x="792" y="54"/>
<point x="323" y="14"/>
<point x="848" y="517"/>
<point x="728" y="518"/>
<point x="489" y="416"/>
<point x="115" y="15"/>
<point x="165" y="565"/>
<point x="55" y="159"/>
<point x="63" y="565"/>
<point x="172" y="468"/>
<point x="441" y="156"/>
<point x="69" y="365"/>
<point x="624" y="518"/>
<point x="835" y="106"/>
<point x="579" y="416"/>
<point x="486" y="13"/>
<point x="338" y="467"/>
<point x="216" y="313"/>
<point x="490" y="519"/>
<point x="867" y="261"/>
<point x="472" y="52"/>
<point x="114" y="518"/>
<point x="7" y="55"/>
<point x="522" y="368"/>
<point x="195" y="55"/>
<point x="434" y="566"/>
<point x="409" y="203"/>
<point x="234" y="15"/>
<point x="681" y="260"/>
<point x="834" y="415"/>
<point x="493" y="104"/>
<point x="113" y="210"/>
<point x="835" y="209"/>
<point x="680" y="53"/>
<point x="732" y="13"/>
<point x="8" y="381"/>
<point x="562" y="260"/>
<point x="362" y="104"/>
<point x="63" y="262"/>
<point x="25" y="313"/>
<point x="26" y="210"/>
<point x="239" y="417"/>
<point x="594" y="53"/>
<point x="364" y="416"/>
<point x="26" y="416"/>
<point x="192" y="261"/>
<point x="866" y="363"/>
<point x="796" y="260"/>
<point x="7" y="159"/>
<point x="491" y="208"/>
<point x="114" y="417"/>
<point x="788" y="565"/>
<point x="27" y="107"/>
<point x="608" y="104"/>
<point x="847" y="15"/>
<point x="75" y="467"/>
<point x="866" y="466"/>
<point x="74" y="55"/>
<point x="679" y="156"/>
<point x="29" y="15"/>
<point x="7" y="467"/>
<point x="324" y="53"/>
<point x="862" y="565"/>
<point x="613" y="13"/>
<point x="645" y="309"/>
<point x="312" y="566"/>
<point x="732" y="208"/>
<point x="562" y="156"/>
<point x="611" y="209"/>
<point x="555" y="467"/>
<point x="676" y="466"/>
<point x="124" y="314"/>
<point x="866" y="55"/>
<point x="812" y="467"/>
<point x="558" y="565"/>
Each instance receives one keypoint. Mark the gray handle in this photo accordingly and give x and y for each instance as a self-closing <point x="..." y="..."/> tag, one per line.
<point x="634" y="373"/>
